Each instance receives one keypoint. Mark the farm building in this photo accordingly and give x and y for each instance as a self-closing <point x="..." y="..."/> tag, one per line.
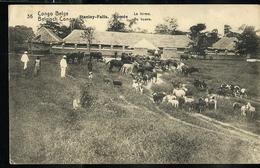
<point x="44" y="40"/>
<point x="225" y="48"/>
<point x="110" y="42"/>
<point x="225" y="43"/>
<point x="142" y="47"/>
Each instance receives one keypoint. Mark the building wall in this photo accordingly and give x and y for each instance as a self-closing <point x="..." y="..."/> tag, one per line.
<point x="140" y="51"/>
<point x="40" y="48"/>
<point x="170" y="53"/>
<point x="104" y="51"/>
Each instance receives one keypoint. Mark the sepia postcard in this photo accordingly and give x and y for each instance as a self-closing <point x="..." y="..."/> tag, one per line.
<point x="134" y="84"/>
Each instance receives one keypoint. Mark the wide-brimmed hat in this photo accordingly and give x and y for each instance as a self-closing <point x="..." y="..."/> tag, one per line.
<point x="64" y="56"/>
<point x="25" y="52"/>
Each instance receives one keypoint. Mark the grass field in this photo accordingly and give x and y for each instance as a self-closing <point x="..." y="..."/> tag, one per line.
<point x="120" y="126"/>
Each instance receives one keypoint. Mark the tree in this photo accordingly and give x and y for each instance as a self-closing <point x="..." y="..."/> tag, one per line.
<point x="115" y="24"/>
<point x="199" y="39"/>
<point x="19" y="36"/>
<point x="161" y="29"/>
<point x="212" y="37"/>
<point x="168" y="27"/>
<point x="88" y="35"/>
<point x="227" y="29"/>
<point x="77" y="23"/>
<point x="132" y="22"/>
<point x="248" y="41"/>
<point x="59" y="29"/>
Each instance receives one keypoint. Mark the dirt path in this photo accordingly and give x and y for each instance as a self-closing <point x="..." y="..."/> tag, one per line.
<point x="158" y="82"/>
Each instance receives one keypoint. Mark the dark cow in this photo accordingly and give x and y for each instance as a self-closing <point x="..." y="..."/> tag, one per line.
<point x="200" y="84"/>
<point x="150" y="76"/>
<point x="96" y="55"/>
<point x="158" y="96"/>
<point x="147" y="66"/>
<point x="200" y="105"/>
<point x="168" y="62"/>
<point x="115" y="63"/>
<point x="117" y="83"/>
<point x="75" y="57"/>
<point x="127" y="59"/>
<point x="181" y="102"/>
<point x="237" y="106"/>
<point x="184" y="57"/>
<point x="188" y="71"/>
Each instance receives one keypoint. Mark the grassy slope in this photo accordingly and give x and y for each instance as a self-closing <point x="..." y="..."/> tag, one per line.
<point x="120" y="127"/>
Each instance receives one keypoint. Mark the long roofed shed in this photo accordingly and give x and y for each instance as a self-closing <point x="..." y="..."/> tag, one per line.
<point x="129" y="39"/>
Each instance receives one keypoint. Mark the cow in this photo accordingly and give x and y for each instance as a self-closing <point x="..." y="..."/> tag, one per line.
<point x="200" y="105"/>
<point x="96" y="55"/>
<point x="189" y="102"/>
<point x="117" y="83"/>
<point x="236" y="106"/>
<point x="115" y="63"/>
<point x="188" y="71"/>
<point x="179" y="92"/>
<point x="199" y="84"/>
<point x="184" y="57"/>
<point x="158" y="96"/>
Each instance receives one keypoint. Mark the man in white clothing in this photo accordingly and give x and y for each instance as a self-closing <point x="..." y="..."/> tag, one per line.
<point x="25" y="60"/>
<point x="63" y="66"/>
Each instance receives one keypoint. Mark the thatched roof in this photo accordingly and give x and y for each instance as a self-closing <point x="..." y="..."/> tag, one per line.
<point x="129" y="39"/>
<point x="225" y="43"/>
<point x="145" y="44"/>
<point x="46" y="35"/>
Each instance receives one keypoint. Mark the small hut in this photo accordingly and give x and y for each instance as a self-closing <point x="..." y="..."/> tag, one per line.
<point x="142" y="47"/>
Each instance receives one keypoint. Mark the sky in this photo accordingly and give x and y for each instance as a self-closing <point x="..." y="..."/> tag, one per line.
<point x="214" y="16"/>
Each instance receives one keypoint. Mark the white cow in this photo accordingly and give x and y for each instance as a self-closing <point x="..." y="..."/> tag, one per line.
<point x="179" y="92"/>
<point x="168" y="97"/>
<point x="174" y="103"/>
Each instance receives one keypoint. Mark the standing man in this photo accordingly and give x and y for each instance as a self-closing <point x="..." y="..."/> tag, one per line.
<point x="90" y="66"/>
<point x="63" y="66"/>
<point x="37" y="66"/>
<point x="115" y="54"/>
<point x="25" y="60"/>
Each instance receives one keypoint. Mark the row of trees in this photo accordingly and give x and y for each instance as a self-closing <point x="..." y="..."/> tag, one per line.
<point x="247" y="40"/>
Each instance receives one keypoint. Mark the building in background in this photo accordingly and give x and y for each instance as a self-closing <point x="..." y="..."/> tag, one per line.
<point x="110" y="42"/>
<point x="142" y="47"/>
<point x="43" y="41"/>
<point x="224" y="48"/>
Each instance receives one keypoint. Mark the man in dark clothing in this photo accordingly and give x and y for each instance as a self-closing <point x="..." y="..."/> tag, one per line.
<point x="90" y="66"/>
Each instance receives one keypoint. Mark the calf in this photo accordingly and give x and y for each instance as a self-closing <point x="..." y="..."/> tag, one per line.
<point x="158" y="96"/>
<point x="168" y="98"/>
<point x="189" y="102"/>
<point x="236" y="106"/>
<point x="117" y="83"/>
<point x="174" y="103"/>
<point x="250" y="110"/>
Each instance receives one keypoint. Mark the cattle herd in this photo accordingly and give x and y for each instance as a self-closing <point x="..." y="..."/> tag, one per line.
<point x="144" y="69"/>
